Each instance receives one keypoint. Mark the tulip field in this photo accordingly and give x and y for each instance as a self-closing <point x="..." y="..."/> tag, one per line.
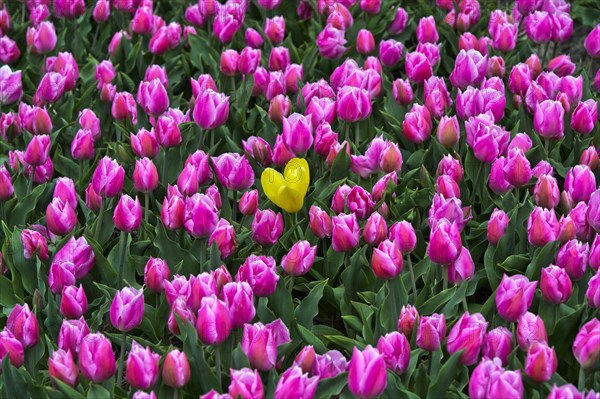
<point x="220" y="199"/>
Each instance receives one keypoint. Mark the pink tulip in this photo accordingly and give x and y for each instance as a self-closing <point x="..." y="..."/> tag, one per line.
<point x="497" y="226"/>
<point x="469" y="69"/>
<point x="275" y="29"/>
<point x="260" y="342"/>
<point x="386" y="261"/>
<point x="60" y="217"/>
<point x="505" y="37"/>
<point x="320" y="222"/>
<point x="295" y="383"/>
<point x="38" y="149"/>
<point x="573" y="257"/>
<point x="224" y="236"/>
<point x="127" y="309"/>
<point x="279" y="108"/>
<point x="584" y="117"/>
<point x="390" y="52"/>
<point x="564" y="392"/>
<point x="213" y="323"/>
<point x="6" y="186"/>
<point x="152" y="97"/>
<point x="201" y="215"/>
<point x="483" y="375"/>
<point x="330" y="364"/>
<point x="23" y="324"/>
<point x="239" y="299"/>
<point x="353" y="104"/>
<point x="418" y="67"/>
<point x="248" y="203"/>
<point x="96" y="358"/>
<point x="331" y="42"/>
<point x="417" y="124"/>
<point x="375" y="230"/>
<point x="408" y="317"/>
<point x="546" y="192"/>
<point x="497" y="343"/>
<point x="261" y="273"/>
<point x="123" y="107"/>
<point x="62" y="367"/>
<point x="142" y="367"/>
<point x="542" y="227"/>
<point x="445" y="242"/>
<point x="245" y="383"/>
<point x="156" y="272"/>
<point x="71" y="334"/>
<point x="514" y="296"/>
<point x="253" y="38"/>
<point x="299" y="260"/>
<point x="11" y="346"/>
<point x="176" y="369"/>
<point x="592" y="42"/>
<point x="145" y="176"/>
<point x="462" y="268"/>
<point x="593" y="291"/>
<point x="233" y="171"/>
<point x="345" y="232"/>
<point x="82" y="146"/>
<point x="530" y="329"/>
<point x="538" y="26"/>
<point x="395" y="349"/>
<point x="367" y="373"/>
<point x="402" y="92"/>
<point x="50" y="89"/>
<point x="467" y="334"/>
<point x="399" y="23"/>
<point x="101" y="12"/>
<point x="507" y="384"/>
<point x="555" y="284"/>
<point x="448" y="131"/>
<point x="594" y="257"/>
<point x="431" y="332"/>
<point x="9" y="50"/>
<point x="42" y="38"/>
<point x="496" y="67"/>
<point x="297" y="133"/>
<point x="517" y="168"/>
<point x="586" y="346"/>
<point x="127" y="215"/>
<point x="73" y="302"/>
<point x="172" y="212"/>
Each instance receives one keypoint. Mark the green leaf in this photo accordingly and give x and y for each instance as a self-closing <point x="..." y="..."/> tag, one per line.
<point x="309" y="307"/>
<point x="14" y="383"/>
<point x="447" y="374"/>
<point x="331" y="387"/>
<point x="98" y="392"/>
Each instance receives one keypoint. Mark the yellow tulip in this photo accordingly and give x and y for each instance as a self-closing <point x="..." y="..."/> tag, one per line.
<point x="287" y="191"/>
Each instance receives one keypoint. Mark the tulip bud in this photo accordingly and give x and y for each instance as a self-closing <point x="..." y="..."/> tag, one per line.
<point x="176" y="369"/>
<point x="294" y="381"/>
<point x="108" y="178"/>
<point x="123" y="107"/>
<point x="365" y="42"/>
<point x="305" y="359"/>
<point x="275" y="29"/>
<point x="229" y="62"/>
<point x="431" y="332"/>
<point x="408" y="317"/>
<point x="37" y="150"/>
<point x="367" y="373"/>
<point x="417" y="124"/>
<point x="73" y="303"/>
<point x="142" y="367"/>
<point x="62" y="367"/>
<point x="444" y="243"/>
<point x="517" y="168"/>
<point x="239" y="299"/>
<point x="514" y="296"/>
<point x="593" y="291"/>
<point x="23" y="324"/>
<point x="253" y="38"/>
<point x="279" y="108"/>
<point x="260" y="342"/>
<point x="448" y="131"/>
<point x="96" y="358"/>
<point x="353" y="104"/>
<point x="260" y="272"/>
<point x="467" y="334"/>
<point x="248" y="203"/>
<point x="497" y="343"/>
<point x="299" y="260"/>
<point x="320" y="222"/>
<point x="201" y="215"/>
<point x="345" y="232"/>
<point x="60" y="217"/>
<point x="580" y="183"/>
<point x="82" y="146"/>
<point x="224" y="236"/>
<point x="145" y="176"/>
<point x="573" y="257"/>
<point x="375" y="229"/>
<point x="245" y="383"/>
<point x="127" y="216"/>
<point x="555" y="284"/>
<point x="386" y="261"/>
<point x="267" y="227"/>
<point x="530" y="329"/>
<point x="6" y="186"/>
<point x="156" y="272"/>
<point x="127" y="309"/>
<point x="297" y="133"/>
<point x="542" y="227"/>
<point x="586" y="346"/>
<point x="233" y="171"/>
<point x="279" y="59"/>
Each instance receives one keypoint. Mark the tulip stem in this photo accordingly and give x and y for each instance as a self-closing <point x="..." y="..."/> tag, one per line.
<point x="477" y="178"/>
<point x="412" y="279"/>
<point x="234" y="206"/>
<point x="325" y="256"/>
<point x="546" y="148"/>
<point x="202" y="253"/>
<point x="121" y="359"/>
<point x="147" y="206"/>
<point x="123" y="245"/>
<point x="291" y="285"/>
<point x="218" y="364"/>
<point x="99" y="221"/>
<point x="356" y="135"/>
<point x="581" y="382"/>
<point x="30" y="185"/>
<point x="444" y="279"/>
<point x="430" y="364"/>
<point x="545" y="53"/>
<point x="164" y="167"/>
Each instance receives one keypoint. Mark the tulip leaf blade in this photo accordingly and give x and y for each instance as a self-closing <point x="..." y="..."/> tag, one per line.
<point x="440" y="386"/>
<point x="309" y="307"/>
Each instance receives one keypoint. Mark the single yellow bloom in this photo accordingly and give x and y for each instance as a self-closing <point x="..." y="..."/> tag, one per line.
<point x="287" y="191"/>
